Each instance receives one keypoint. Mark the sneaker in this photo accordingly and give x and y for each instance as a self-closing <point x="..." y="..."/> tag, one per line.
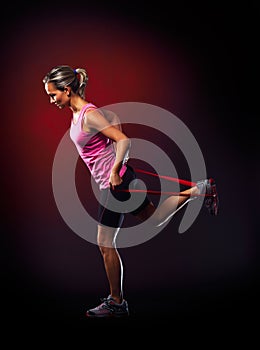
<point x="211" y="200"/>
<point x="109" y="308"/>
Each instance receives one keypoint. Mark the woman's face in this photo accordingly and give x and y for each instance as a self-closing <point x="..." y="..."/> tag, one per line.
<point x="59" y="98"/>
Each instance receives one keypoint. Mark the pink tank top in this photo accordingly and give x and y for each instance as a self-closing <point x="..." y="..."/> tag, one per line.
<point x="96" y="150"/>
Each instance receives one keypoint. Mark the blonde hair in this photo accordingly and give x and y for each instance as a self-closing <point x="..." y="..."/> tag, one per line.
<point x="62" y="76"/>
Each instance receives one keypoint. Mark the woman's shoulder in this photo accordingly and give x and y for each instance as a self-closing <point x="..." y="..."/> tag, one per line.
<point x="89" y="106"/>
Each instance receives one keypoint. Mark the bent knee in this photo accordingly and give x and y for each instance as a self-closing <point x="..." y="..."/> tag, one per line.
<point x="146" y="212"/>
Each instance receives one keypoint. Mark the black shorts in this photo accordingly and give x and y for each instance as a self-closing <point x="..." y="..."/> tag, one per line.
<point x="114" y="218"/>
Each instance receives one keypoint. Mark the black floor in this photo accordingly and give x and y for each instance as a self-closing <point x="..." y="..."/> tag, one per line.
<point x="178" y="316"/>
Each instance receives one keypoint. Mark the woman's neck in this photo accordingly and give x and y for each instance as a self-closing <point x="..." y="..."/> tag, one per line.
<point x="76" y="103"/>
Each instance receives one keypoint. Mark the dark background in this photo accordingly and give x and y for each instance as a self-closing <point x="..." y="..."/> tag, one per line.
<point x="200" y="63"/>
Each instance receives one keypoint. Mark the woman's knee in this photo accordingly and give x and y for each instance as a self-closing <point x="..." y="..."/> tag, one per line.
<point x="106" y="237"/>
<point x="146" y="212"/>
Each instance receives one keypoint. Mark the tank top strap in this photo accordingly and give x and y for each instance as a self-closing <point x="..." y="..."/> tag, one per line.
<point x="88" y="106"/>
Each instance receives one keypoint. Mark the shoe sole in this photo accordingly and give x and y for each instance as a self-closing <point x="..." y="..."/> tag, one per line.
<point x="213" y="202"/>
<point x="107" y="316"/>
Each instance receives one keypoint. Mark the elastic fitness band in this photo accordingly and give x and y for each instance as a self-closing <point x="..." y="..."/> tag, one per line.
<point x="168" y="178"/>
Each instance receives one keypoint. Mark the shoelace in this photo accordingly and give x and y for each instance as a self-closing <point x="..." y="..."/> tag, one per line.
<point x="105" y="304"/>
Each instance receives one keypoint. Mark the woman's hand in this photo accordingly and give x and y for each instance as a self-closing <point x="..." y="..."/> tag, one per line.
<point x="114" y="180"/>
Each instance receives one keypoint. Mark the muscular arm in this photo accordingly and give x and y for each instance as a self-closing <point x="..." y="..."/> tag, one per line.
<point x="113" y="119"/>
<point x="95" y="120"/>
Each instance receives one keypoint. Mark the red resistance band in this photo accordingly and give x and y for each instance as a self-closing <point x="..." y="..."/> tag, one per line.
<point x="169" y="178"/>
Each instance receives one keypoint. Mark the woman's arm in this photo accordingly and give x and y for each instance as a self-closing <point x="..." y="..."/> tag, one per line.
<point x="95" y="120"/>
<point x="113" y="119"/>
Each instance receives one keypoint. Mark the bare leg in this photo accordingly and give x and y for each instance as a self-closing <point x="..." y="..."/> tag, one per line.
<point x="107" y="236"/>
<point x="169" y="207"/>
<point x="112" y="261"/>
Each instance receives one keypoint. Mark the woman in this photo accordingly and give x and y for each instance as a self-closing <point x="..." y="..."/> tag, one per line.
<point x="95" y="136"/>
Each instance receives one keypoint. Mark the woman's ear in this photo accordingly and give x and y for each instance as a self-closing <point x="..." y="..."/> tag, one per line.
<point x="67" y="90"/>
